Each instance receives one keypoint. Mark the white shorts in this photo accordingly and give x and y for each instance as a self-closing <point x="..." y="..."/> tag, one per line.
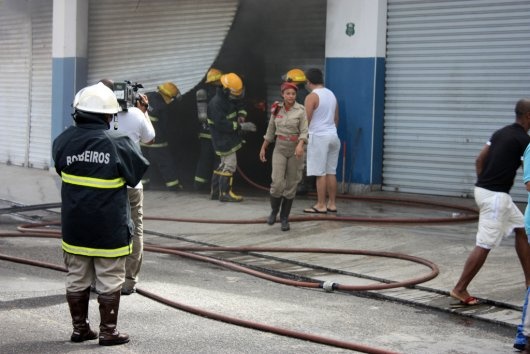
<point x="322" y="155"/>
<point x="498" y="217"/>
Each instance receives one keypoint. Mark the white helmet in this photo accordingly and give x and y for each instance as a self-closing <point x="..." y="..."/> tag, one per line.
<point x="96" y="99"/>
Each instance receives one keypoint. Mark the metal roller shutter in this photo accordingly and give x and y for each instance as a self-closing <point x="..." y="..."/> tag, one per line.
<point x="454" y="70"/>
<point x="156" y="41"/>
<point x="15" y="57"/>
<point x="41" y="78"/>
<point x="25" y="68"/>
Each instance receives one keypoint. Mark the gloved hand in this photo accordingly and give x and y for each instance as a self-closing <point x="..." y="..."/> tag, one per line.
<point x="248" y="127"/>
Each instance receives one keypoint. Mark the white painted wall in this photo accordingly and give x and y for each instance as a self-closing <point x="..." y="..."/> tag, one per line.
<point x="369" y="17"/>
<point x="70" y="27"/>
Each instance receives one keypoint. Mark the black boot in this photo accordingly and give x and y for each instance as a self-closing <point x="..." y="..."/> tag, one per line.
<point x="109" y="305"/>
<point x="214" y="191"/>
<point x="78" y="303"/>
<point x="225" y="189"/>
<point x="275" y="206"/>
<point x="284" y="213"/>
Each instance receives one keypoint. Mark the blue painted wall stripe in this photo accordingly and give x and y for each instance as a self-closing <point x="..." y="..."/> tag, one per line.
<point x="67" y="75"/>
<point x="358" y="84"/>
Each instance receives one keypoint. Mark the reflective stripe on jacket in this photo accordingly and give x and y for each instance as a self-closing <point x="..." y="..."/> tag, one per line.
<point x="95" y="166"/>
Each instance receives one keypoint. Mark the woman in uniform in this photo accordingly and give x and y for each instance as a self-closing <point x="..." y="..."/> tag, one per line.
<point x="288" y="129"/>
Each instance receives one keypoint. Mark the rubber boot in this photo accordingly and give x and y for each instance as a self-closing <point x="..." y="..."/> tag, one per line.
<point x="78" y="304"/>
<point x="520" y="340"/>
<point x="232" y="194"/>
<point x="109" y="305"/>
<point x="284" y="213"/>
<point x="214" y="191"/>
<point x="225" y="189"/>
<point x="275" y="206"/>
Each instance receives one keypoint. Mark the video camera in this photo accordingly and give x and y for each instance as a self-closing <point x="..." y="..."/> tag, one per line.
<point x="127" y="93"/>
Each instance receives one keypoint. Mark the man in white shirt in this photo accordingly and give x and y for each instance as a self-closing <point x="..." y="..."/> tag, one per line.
<point x="324" y="145"/>
<point x="136" y="124"/>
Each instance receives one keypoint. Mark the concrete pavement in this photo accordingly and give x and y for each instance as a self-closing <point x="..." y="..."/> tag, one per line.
<point x="447" y="245"/>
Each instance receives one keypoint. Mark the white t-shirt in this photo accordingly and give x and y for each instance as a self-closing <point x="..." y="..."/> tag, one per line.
<point x="323" y="119"/>
<point x="137" y="126"/>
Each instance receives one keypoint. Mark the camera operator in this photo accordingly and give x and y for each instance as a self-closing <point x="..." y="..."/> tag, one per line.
<point x="142" y="103"/>
<point x="134" y="122"/>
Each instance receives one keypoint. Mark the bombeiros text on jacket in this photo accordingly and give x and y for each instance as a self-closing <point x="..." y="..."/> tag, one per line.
<point x="89" y="156"/>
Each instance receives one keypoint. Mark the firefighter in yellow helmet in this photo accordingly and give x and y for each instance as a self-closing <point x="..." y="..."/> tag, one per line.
<point x="297" y="76"/>
<point x="169" y="91"/>
<point x="213" y="76"/>
<point x="226" y="134"/>
<point x="158" y="153"/>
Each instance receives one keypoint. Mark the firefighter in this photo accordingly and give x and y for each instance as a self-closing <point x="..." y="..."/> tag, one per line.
<point x="158" y="153"/>
<point x="297" y="76"/>
<point x="288" y="129"/>
<point x="208" y="159"/>
<point x="226" y="134"/>
<point x="96" y="165"/>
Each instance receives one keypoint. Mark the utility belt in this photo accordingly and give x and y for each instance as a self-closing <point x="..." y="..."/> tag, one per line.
<point x="287" y="137"/>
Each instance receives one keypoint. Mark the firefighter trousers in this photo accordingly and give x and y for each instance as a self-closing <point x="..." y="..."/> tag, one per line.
<point x="161" y="159"/>
<point x="208" y="160"/>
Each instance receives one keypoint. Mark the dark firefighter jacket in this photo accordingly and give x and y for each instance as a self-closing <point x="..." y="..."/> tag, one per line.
<point x="95" y="165"/>
<point x="159" y="114"/>
<point x="222" y="118"/>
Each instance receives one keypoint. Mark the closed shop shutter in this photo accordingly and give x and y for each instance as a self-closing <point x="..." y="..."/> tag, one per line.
<point x="40" y="86"/>
<point x="25" y="69"/>
<point x="15" y="59"/>
<point x="454" y="70"/>
<point x="151" y="42"/>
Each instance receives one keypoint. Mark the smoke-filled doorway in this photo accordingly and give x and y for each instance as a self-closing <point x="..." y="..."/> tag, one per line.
<point x="267" y="38"/>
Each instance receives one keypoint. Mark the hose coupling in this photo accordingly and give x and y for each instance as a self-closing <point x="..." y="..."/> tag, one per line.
<point x="328" y="286"/>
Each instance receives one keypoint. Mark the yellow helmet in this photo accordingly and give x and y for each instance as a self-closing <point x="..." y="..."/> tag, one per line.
<point x="169" y="89"/>
<point x="233" y="83"/>
<point x="295" y="75"/>
<point x="213" y="75"/>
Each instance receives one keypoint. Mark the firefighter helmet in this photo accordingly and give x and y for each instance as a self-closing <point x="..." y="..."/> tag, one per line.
<point x="169" y="89"/>
<point x="295" y="75"/>
<point x="96" y="99"/>
<point x="213" y="75"/>
<point x="233" y="84"/>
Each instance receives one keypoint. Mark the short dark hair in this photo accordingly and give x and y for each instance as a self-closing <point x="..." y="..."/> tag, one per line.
<point x="314" y="76"/>
<point x="522" y="106"/>
<point x="108" y="82"/>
